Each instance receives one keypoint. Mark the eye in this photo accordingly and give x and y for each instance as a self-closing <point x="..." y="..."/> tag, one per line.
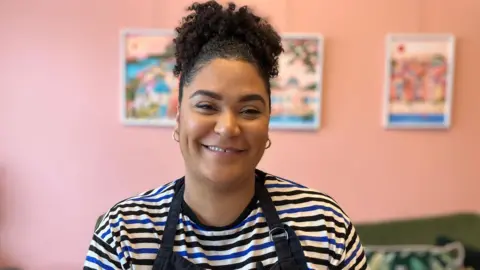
<point x="250" y="112"/>
<point x="205" y="107"/>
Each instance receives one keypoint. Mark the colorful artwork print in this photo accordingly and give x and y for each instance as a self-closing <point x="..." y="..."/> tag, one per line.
<point x="150" y="90"/>
<point x="297" y="91"/>
<point x="419" y="81"/>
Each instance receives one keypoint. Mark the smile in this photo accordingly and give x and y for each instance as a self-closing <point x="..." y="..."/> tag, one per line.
<point x="218" y="149"/>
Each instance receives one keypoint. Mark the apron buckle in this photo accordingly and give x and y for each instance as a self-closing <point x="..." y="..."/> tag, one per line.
<point x="278" y="233"/>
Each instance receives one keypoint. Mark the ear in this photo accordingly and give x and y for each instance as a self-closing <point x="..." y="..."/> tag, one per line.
<point x="177" y="116"/>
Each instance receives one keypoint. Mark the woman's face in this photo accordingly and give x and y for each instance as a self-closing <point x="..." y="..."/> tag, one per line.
<point x="223" y="121"/>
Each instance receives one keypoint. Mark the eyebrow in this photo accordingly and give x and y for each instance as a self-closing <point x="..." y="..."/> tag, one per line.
<point x="206" y="93"/>
<point x="245" y="98"/>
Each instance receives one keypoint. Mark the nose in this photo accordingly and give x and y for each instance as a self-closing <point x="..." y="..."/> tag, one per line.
<point x="227" y="124"/>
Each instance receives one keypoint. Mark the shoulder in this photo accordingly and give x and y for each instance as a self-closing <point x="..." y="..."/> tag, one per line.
<point x="143" y="208"/>
<point x="295" y="200"/>
<point x="322" y="226"/>
<point x="138" y="215"/>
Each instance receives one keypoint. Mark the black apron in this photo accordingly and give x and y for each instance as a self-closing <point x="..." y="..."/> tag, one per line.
<point x="288" y="248"/>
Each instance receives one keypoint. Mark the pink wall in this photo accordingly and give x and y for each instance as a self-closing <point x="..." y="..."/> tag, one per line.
<point x="68" y="159"/>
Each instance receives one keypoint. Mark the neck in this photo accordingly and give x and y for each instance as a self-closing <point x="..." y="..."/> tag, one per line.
<point x="216" y="206"/>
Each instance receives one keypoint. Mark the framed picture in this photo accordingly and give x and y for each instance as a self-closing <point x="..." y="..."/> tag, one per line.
<point x="297" y="91"/>
<point x="149" y="88"/>
<point x="419" y="78"/>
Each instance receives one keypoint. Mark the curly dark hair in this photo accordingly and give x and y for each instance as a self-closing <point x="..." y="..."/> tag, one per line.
<point x="211" y="32"/>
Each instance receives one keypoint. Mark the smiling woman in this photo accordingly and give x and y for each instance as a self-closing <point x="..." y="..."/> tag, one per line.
<point x="224" y="213"/>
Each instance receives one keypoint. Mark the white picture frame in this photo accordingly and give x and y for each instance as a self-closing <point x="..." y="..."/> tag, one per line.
<point x="297" y="91"/>
<point x="149" y="90"/>
<point x="418" y="82"/>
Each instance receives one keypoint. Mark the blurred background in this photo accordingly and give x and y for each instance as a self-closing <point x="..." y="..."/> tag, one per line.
<point x="65" y="157"/>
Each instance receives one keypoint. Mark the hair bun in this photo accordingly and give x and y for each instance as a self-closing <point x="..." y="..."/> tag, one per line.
<point x="210" y="21"/>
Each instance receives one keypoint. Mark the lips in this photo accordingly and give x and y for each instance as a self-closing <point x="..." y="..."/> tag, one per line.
<point x="219" y="149"/>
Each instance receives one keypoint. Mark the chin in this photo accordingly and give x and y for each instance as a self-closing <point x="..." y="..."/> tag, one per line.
<point x="224" y="175"/>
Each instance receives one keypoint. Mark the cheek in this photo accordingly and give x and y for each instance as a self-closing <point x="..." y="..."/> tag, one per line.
<point x="193" y="127"/>
<point x="258" y="137"/>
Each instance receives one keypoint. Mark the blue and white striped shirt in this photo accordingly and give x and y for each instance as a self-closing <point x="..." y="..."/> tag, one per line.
<point x="130" y="233"/>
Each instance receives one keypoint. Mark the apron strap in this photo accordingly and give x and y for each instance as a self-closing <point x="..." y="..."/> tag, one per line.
<point x="168" y="238"/>
<point x="278" y="232"/>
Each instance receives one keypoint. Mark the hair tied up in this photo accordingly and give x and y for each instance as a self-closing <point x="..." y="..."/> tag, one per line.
<point x="209" y="22"/>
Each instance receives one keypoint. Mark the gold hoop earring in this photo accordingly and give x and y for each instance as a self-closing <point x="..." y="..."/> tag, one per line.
<point x="173" y="136"/>
<point x="269" y="143"/>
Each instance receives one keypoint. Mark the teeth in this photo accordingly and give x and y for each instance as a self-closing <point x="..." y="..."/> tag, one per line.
<point x="218" y="149"/>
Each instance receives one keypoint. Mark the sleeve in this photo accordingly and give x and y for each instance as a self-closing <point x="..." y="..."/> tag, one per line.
<point x="353" y="257"/>
<point x="101" y="255"/>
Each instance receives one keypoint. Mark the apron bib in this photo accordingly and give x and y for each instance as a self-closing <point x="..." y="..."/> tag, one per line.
<point x="287" y="246"/>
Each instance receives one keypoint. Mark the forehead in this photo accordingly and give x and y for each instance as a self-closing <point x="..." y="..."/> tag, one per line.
<point x="228" y="77"/>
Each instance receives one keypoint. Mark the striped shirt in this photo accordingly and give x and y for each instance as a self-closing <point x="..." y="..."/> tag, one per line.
<point x="129" y="235"/>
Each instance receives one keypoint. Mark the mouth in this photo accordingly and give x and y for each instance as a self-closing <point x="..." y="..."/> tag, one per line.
<point x="218" y="149"/>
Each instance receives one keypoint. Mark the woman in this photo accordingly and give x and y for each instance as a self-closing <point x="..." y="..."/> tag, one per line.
<point x="225" y="214"/>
